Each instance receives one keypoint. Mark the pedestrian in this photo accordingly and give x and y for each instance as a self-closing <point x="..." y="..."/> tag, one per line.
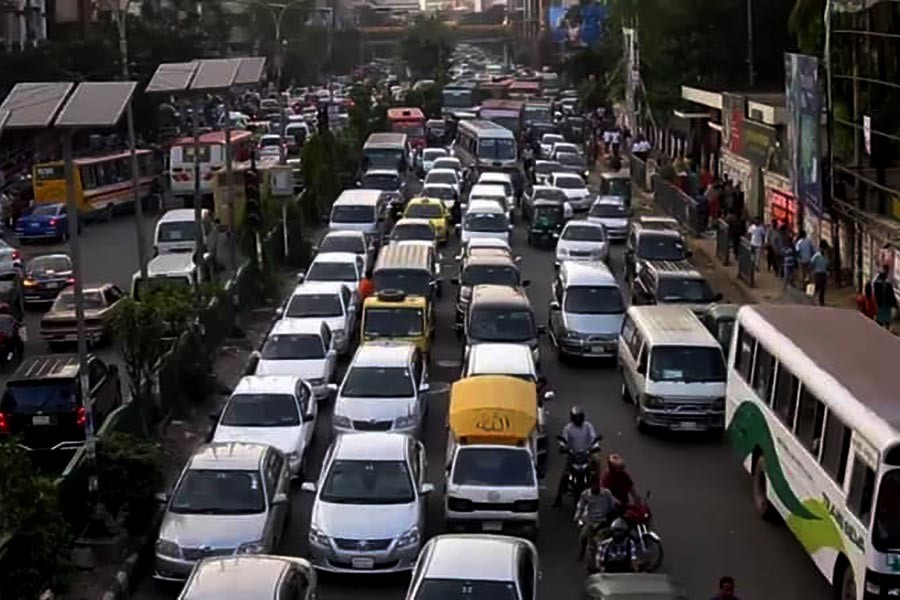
<point x="773" y="247"/>
<point x="885" y="299"/>
<point x="735" y="232"/>
<point x="726" y="589"/>
<point x="805" y="249"/>
<point x="757" y="233"/>
<point x="819" y="269"/>
<point x="366" y="286"/>
<point x="789" y="261"/>
<point x="737" y="201"/>
<point x="714" y="193"/>
<point x="865" y="301"/>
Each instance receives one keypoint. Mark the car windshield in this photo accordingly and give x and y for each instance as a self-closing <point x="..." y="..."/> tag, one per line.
<point x="446" y="178"/>
<point x="569" y="183"/>
<point x="552" y="194"/>
<point x="378" y="382"/>
<point x="394" y="322"/>
<point x="431" y="154"/>
<point x="39" y="397"/>
<point x="494" y="467"/>
<point x="383" y="182"/>
<point x="583" y="233"/>
<point x="570" y="159"/>
<point x="383" y="158"/>
<point x="423" y="210"/>
<point x="210" y="492"/>
<point x="660" y="247"/>
<point x="368" y="482"/>
<point x="66" y="302"/>
<point x="261" y="410"/>
<point x="501" y="325"/>
<point x="486" y="222"/>
<point x="314" y="305"/>
<point x="466" y="589"/>
<point x="412" y="232"/>
<point x="293" y="346"/>
<point x="176" y="231"/>
<point x="437" y="191"/>
<point x="547" y="167"/>
<point x="269" y="141"/>
<point x="45" y="210"/>
<point x="331" y="271"/>
<point x="497" y="149"/>
<point x="352" y="214"/>
<point x="490" y="274"/>
<point x="886" y="526"/>
<point x="687" y="364"/>
<point x="415" y="282"/>
<point x="684" y="289"/>
<point x="446" y="163"/>
<point x="608" y="211"/>
<point x="48" y="265"/>
<point x="343" y="243"/>
<point x="594" y="300"/>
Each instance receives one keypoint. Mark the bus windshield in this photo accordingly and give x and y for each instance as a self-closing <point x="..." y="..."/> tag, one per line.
<point x="687" y="364"/>
<point x="414" y="129"/>
<point x="458" y="98"/>
<point x="383" y="158"/>
<point x="497" y="149"/>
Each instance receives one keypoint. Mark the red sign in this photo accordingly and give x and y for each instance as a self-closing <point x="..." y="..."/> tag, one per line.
<point x="735" y="142"/>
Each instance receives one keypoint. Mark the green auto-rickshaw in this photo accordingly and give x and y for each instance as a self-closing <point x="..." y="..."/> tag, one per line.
<point x="617" y="185"/>
<point x="547" y="220"/>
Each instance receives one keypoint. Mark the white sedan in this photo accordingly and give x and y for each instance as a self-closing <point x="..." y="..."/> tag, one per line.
<point x="582" y="241"/>
<point x="573" y="187"/>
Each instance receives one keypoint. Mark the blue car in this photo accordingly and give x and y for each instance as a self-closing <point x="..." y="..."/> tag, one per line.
<point x="43" y="221"/>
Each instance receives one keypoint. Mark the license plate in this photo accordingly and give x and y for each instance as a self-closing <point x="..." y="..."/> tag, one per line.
<point x="363" y="563"/>
<point x="492" y="526"/>
<point x="34" y="225"/>
<point x="598" y="349"/>
<point x="40" y="420"/>
<point x="51" y="285"/>
<point x="689" y="426"/>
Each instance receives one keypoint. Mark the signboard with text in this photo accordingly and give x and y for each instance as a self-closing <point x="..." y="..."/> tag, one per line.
<point x="804" y="127"/>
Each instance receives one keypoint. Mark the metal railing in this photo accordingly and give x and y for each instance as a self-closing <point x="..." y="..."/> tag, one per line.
<point x="678" y="205"/>
<point x="746" y="263"/>
<point x="723" y="242"/>
<point x="638" y="173"/>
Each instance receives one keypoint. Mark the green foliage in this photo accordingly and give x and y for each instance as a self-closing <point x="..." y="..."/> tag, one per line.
<point x="428" y="98"/>
<point x="36" y="556"/>
<point x="427" y="47"/>
<point x="320" y="160"/>
<point x="806" y="22"/>
<point x="129" y="471"/>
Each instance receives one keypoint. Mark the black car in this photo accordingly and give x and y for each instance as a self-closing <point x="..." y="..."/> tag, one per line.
<point x="44" y="406"/>
<point x="11" y="293"/>
<point x="46" y="276"/>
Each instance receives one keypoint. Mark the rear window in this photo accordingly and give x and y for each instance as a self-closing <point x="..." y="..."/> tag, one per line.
<point x="28" y="398"/>
<point x="353" y="214"/>
<point x="494" y="467"/>
<point x="176" y="231"/>
<point x="340" y="243"/>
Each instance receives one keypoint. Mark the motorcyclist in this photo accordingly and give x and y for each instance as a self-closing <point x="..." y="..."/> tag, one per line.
<point x="618" y="481"/>
<point x="619" y="553"/>
<point x="594" y="511"/>
<point x="579" y="435"/>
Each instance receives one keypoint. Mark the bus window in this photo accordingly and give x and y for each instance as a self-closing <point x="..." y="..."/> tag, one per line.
<point x="785" y="401"/>
<point x="810" y="416"/>
<point x="88" y="179"/>
<point x="886" y="532"/>
<point x="743" y="359"/>
<point x="762" y="374"/>
<point x="836" y="448"/>
<point x="187" y="153"/>
<point x="862" y="486"/>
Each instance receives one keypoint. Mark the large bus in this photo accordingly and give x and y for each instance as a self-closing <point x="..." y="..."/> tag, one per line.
<point x="410" y="121"/>
<point x="102" y="182"/>
<point x="538" y="111"/>
<point x="386" y="151"/>
<point x="486" y="146"/>
<point x="211" y="158"/>
<point x="812" y="408"/>
<point x="522" y="89"/>
<point x="458" y="97"/>
<point x="506" y="113"/>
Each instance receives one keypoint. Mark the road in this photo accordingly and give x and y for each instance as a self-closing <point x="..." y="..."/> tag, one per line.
<point x="700" y="494"/>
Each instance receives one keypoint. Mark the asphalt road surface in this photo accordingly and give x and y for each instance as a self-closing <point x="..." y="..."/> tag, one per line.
<point x="700" y="494"/>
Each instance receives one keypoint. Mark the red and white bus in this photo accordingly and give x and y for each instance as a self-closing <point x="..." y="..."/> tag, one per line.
<point x="212" y="160"/>
<point x="410" y="121"/>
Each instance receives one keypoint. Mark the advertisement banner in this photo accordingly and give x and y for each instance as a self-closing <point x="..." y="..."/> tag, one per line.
<point x="733" y="109"/>
<point x="556" y="16"/>
<point x="593" y="15"/>
<point x="804" y="128"/>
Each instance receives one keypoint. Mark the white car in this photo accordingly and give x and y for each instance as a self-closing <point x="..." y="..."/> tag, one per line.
<point x="504" y="180"/>
<point x="547" y="141"/>
<point x="429" y="155"/>
<point x="302" y="348"/>
<point x="384" y="389"/>
<point x="369" y="510"/>
<point x="345" y="267"/>
<point x="494" y="193"/>
<point x="346" y="241"/>
<point x="330" y="302"/>
<point x="275" y="410"/>
<point x="610" y="212"/>
<point x="543" y="169"/>
<point x="448" y="162"/>
<point x="582" y="240"/>
<point x="564" y="148"/>
<point x="445" y="176"/>
<point x="485" y="219"/>
<point x="445" y="192"/>
<point x="573" y="187"/>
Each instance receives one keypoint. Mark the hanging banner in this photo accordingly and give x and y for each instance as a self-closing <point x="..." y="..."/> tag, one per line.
<point x="804" y="128"/>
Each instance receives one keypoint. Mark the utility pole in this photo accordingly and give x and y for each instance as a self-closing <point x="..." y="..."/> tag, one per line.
<point x="751" y="72"/>
<point x="198" y="209"/>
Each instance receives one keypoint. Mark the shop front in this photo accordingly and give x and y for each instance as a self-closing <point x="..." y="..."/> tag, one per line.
<point x="779" y="201"/>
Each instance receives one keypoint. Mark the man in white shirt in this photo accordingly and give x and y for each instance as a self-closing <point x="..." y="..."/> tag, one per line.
<point x="757" y="233"/>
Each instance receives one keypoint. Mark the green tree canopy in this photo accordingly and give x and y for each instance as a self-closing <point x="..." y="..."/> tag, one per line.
<point x="427" y="47"/>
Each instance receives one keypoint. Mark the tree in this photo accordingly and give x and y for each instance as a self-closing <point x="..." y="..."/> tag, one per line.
<point x="427" y="47"/>
<point x="428" y="98"/>
<point x="36" y="556"/>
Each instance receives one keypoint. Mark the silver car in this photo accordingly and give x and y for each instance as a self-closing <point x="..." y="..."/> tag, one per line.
<point x="335" y="303"/>
<point x="231" y="499"/>
<point x="610" y="212"/>
<point x="586" y="310"/>
<point x="260" y="577"/>
<point x="582" y="241"/>
<point x="369" y="510"/>
<point x="300" y="347"/>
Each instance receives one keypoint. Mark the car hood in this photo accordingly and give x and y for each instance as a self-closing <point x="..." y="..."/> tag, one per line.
<point x="575" y="192"/>
<point x="593" y="324"/>
<point x="286" y="439"/>
<point x="580" y="246"/>
<point x="214" y="531"/>
<point x="364" y="521"/>
<point x="610" y="222"/>
<point x="378" y="409"/>
<point x="307" y="369"/>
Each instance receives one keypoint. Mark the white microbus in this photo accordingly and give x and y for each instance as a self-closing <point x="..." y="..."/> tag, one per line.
<point x="484" y="144"/>
<point x="812" y="408"/>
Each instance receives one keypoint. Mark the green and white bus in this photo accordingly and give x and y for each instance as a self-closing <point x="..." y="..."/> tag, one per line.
<point x="812" y="406"/>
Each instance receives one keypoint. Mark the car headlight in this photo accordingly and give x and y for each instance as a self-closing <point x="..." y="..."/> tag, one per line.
<point x="167" y="548"/>
<point x="572" y="335"/>
<point x="653" y="401"/>
<point x="410" y="538"/>
<point x="341" y="421"/>
<point x="718" y="404"/>
<point x="318" y="538"/>
<point x="407" y="421"/>
<point x="257" y="547"/>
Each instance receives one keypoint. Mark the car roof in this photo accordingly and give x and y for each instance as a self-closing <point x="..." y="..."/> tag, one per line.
<point x="473" y="557"/>
<point x="426" y="200"/>
<point x="488" y="188"/>
<point x="349" y="233"/>
<point x="412" y="221"/>
<point x="441" y="171"/>
<point x="319" y="287"/>
<point x="336" y="257"/>
<point x="177" y="214"/>
<point x="609" y="201"/>
<point x="575" y="273"/>
<point x="371" y="446"/>
<point x="500" y="295"/>
<point x="487" y="243"/>
<point x="566" y="175"/>
<point x="356" y="197"/>
<point x="230" y="456"/>
<point x="439" y="185"/>
<point x="674" y="268"/>
<point x="512" y="359"/>
<point x="171" y="262"/>
<point x="497" y="257"/>
<point x="584" y="223"/>
<point x="302" y="325"/>
<point x="255" y="577"/>
<point x="485" y="206"/>
<point x="391" y="172"/>
<point x="451" y="157"/>
<point x="267" y="384"/>
<point x="383" y="354"/>
<point x="495" y="176"/>
<point x="671" y="325"/>
<point x="444" y="150"/>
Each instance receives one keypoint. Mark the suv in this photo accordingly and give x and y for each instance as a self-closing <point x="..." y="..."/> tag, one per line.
<point x="672" y="282"/>
<point x="45" y="407"/>
<point x="652" y="239"/>
<point x="501" y="314"/>
<point x="483" y="269"/>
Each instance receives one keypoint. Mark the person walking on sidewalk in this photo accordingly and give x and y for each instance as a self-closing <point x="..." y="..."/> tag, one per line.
<point x="805" y="249"/>
<point x="819" y="268"/>
<point x="789" y="260"/>
<point x="757" y="233"/>
<point x="774" y="247"/>
<point x="885" y="299"/>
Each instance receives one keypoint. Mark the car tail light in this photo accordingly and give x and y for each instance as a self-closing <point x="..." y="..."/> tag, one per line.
<point x="81" y="416"/>
<point x="52" y="221"/>
<point x="4" y="423"/>
<point x="16" y="255"/>
<point x="70" y="281"/>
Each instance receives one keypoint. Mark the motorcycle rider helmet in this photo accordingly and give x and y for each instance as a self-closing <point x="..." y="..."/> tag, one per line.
<point x="619" y="529"/>
<point x="576" y="416"/>
<point x="616" y="462"/>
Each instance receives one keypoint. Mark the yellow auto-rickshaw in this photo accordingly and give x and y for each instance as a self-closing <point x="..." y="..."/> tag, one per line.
<point x="394" y="315"/>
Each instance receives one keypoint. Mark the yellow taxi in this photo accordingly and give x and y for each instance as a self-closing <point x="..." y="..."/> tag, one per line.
<point x="435" y="211"/>
<point x="395" y="316"/>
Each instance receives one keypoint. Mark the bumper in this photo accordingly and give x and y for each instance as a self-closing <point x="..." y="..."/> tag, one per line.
<point x="412" y="430"/>
<point x="588" y="348"/>
<point x="41" y="294"/>
<point x="493" y="522"/>
<point x="38" y="234"/>
<point x="617" y="234"/>
<point x="70" y="335"/>
<point x="167" y="568"/>
<point x="682" y="420"/>
<point x="392" y="560"/>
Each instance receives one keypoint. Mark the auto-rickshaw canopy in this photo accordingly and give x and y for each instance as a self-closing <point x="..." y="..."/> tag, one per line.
<point x="493" y="410"/>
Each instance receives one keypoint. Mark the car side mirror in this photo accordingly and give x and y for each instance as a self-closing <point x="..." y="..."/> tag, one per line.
<point x="301" y="276"/>
<point x="426" y="488"/>
<point x="549" y="396"/>
<point x="332" y="388"/>
<point x="315" y="248"/>
<point x="424" y="387"/>
<point x="688" y="253"/>
<point x="280" y="498"/>
<point x="161" y="497"/>
<point x="214" y="417"/>
<point x="526" y="282"/>
<point x="309" y="417"/>
<point x="517" y="259"/>
<point x="541" y="329"/>
<point x="511" y="227"/>
<point x="331" y="354"/>
<point x="308" y="486"/>
<point x="555" y="305"/>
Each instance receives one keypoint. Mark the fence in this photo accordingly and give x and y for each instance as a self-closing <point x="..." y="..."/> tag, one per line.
<point x="638" y="173"/>
<point x="679" y="206"/>
<point x="723" y="242"/>
<point x="746" y="263"/>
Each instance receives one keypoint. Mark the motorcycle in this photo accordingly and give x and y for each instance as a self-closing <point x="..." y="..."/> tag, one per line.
<point x="580" y="469"/>
<point x="649" y="544"/>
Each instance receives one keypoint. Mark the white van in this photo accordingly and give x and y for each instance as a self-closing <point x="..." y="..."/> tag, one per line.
<point x="494" y="192"/>
<point x="673" y="369"/>
<point x="359" y="210"/>
<point x="176" y="270"/>
<point x="175" y="232"/>
<point x="485" y="219"/>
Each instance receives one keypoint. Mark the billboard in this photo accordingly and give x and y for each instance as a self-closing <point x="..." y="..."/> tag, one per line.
<point x="804" y="103"/>
<point x="578" y="25"/>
